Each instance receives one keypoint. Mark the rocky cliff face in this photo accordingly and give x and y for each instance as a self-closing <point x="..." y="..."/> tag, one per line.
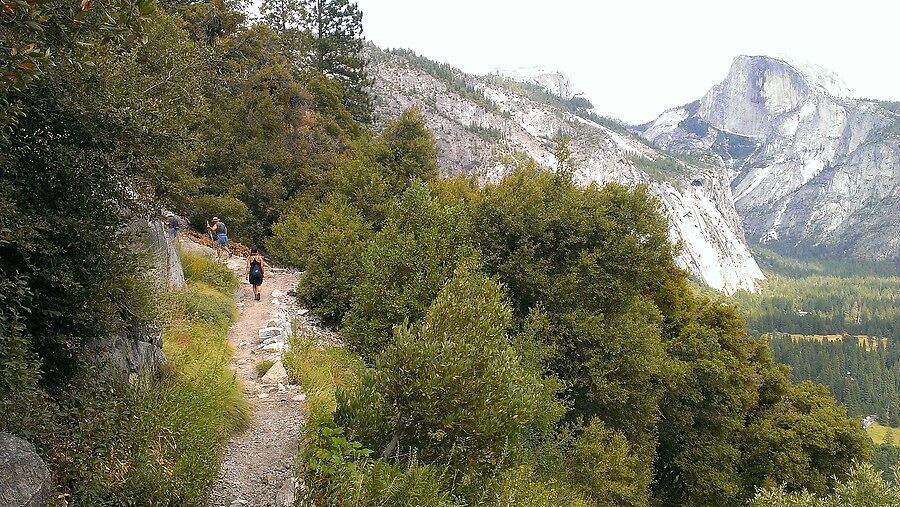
<point x="812" y="170"/>
<point x="479" y="119"/>
<point x="136" y="353"/>
<point x="552" y="81"/>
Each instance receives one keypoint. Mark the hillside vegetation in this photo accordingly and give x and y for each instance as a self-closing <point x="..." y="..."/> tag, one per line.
<point x="506" y="339"/>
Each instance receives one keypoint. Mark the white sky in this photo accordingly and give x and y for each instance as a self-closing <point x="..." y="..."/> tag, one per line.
<point x="635" y="58"/>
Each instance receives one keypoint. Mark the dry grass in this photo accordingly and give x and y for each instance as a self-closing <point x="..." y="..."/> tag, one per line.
<point x="879" y="434"/>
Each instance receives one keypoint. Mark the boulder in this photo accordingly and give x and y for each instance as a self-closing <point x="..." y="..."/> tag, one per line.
<point x="285" y="497"/>
<point x="276" y="374"/>
<point x="269" y="332"/>
<point x="133" y="354"/>
<point x="154" y="242"/>
<point x="136" y="352"/>
<point x="24" y="478"/>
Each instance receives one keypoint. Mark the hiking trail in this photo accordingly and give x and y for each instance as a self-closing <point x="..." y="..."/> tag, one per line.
<point x="259" y="463"/>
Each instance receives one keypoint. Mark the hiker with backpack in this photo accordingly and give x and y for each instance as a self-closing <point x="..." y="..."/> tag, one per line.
<point x="220" y="232"/>
<point x="255" y="271"/>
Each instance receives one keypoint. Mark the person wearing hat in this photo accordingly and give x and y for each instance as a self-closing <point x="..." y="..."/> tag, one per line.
<point x="221" y="234"/>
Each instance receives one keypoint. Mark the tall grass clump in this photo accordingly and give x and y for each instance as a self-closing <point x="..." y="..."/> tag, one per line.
<point x="198" y="268"/>
<point x="190" y="414"/>
<point x="321" y="371"/>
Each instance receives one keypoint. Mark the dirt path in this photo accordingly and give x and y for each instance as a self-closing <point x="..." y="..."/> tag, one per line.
<point x="258" y="464"/>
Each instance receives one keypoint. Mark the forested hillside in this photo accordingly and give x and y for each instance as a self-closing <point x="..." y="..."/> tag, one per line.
<point x="837" y="324"/>
<point x="523" y="342"/>
<point x="824" y="297"/>
<point x="863" y="375"/>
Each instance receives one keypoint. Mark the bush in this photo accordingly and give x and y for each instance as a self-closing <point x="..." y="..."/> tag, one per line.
<point x="407" y="151"/>
<point x="457" y="392"/>
<point x="404" y="268"/>
<point x="410" y="485"/>
<point x="602" y="466"/>
<point x="863" y="488"/>
<point x="329" y="246"/>
<point x="233" y="212"/>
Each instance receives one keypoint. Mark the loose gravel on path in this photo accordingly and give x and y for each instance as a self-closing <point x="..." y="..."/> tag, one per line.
<point x="258" y="464"/>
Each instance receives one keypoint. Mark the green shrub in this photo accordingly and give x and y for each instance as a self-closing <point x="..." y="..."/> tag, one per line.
<point x="407" y="151"/>
<point x="292" y="243"/>
<point x="409" y="485"/>
<point x="404" y="268"/>
<point x="455" y="387"/>
<point x="364" y="412"/>
<point x="329" y="246"/>
<point x="519" y="487"/>
<point x="603" y="467"/>
<point x="864" y="487"/>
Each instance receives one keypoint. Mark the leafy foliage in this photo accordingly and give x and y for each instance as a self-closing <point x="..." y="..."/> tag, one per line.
<point x="455" y="384"/>
<point x="403" y="268"/>
<point x="863" y="488"/>
<point x="329" y="245"/>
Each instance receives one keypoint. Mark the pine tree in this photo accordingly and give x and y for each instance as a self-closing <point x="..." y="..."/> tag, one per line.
<point x="335" y="48"/>
<point x="284" y="16"/>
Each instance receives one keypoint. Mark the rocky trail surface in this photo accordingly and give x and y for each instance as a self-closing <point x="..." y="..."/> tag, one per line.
<point x="258" y="463"/>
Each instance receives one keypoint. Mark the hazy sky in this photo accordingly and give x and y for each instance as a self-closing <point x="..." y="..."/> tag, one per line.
<point x="632" y="58"/>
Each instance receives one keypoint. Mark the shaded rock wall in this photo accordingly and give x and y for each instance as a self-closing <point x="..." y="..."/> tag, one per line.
<point x="136" y="352"/>
<point x="24" y="478"/>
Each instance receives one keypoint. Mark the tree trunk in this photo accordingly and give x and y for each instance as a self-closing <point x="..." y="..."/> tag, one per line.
<point x="399" y="429"/>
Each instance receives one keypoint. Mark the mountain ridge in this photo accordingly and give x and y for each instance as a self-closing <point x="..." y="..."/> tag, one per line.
<point x="812" y="172"/>
<point x="479" y="119"/>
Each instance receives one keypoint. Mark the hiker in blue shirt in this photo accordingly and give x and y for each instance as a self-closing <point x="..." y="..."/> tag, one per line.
<point x="221" y="235"/>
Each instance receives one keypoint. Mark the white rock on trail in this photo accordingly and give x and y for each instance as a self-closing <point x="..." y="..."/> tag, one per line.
<point x="269" y="332"/>
<point x="276" y="374"/>
<point x="274" y="347"/>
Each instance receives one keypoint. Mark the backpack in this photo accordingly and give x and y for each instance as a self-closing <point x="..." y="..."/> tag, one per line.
<point x="256" y="269"/>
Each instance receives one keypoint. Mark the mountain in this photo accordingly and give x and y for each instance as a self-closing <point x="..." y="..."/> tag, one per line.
<point x="479" y="120"/>
<point x="813" y="171"/>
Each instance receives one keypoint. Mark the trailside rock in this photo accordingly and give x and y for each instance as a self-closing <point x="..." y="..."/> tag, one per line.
<point x="154" y="240"/>
<point x="24" y="478"/>
<point x="286" y="495"/>
<point x="276" y="374"/>
<point x="131" y="355"/>
<point x="135" y="354"/>
<point x="268" y="333"/>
